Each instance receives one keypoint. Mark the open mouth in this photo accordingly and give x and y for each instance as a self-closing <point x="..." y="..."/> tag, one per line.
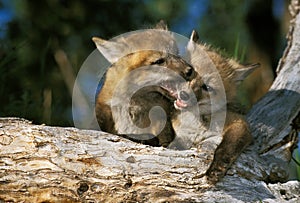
<point x="180" y="99"/>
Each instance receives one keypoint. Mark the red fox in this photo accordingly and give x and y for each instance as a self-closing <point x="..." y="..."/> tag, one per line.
<point x="140" y="80"/>
<point x="236" y="134"/>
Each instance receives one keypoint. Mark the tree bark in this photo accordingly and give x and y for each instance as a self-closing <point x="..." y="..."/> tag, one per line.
<point x="52" y="164"/>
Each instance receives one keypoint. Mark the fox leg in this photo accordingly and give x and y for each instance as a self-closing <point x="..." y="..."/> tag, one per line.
<point x="104" y="118"/>
<point x="235" y="138"/>
<point x="165" y="137"/>
<point x="147" y="139"/>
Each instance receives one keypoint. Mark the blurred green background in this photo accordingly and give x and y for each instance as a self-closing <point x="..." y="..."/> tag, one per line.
<point x="44" y="43"/>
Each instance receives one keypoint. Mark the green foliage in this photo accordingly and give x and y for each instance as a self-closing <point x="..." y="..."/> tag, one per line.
<point x="27" y="64"/>
<point x="239" y="54"/>
<point x="224" y="25"/>
<point x="297" y="157"/>
<point x="40" y="28"/>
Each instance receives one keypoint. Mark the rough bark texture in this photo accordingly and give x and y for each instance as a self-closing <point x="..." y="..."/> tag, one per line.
<point x="52" y="164"/>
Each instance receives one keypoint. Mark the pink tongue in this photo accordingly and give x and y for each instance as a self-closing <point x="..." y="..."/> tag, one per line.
<point x="181" y="104"/>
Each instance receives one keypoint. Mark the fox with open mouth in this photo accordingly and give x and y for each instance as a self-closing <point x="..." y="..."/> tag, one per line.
<point x="143" y="89"/>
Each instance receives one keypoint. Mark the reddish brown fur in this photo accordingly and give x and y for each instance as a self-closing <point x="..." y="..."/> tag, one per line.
<point x="146" y="99"/>
<point x="236" y="134"/>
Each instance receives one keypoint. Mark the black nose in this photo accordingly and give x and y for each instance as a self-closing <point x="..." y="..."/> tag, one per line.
<point x="183" y="95"/>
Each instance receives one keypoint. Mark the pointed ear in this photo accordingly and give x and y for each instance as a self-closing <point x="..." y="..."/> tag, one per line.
<point x="193" y="39"/>
<point x="194" y="36"/>
<point x="112" y="51"/>
<point x="242" y="71"/>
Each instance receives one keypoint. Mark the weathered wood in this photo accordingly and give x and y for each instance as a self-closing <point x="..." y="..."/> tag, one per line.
<point x="52" y="164"/>
<point x="271" y="118"/>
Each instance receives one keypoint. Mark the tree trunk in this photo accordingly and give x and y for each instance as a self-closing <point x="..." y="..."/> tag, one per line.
<point x="53" y="164"/>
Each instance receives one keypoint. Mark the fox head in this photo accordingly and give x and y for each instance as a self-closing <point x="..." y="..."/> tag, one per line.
<point x="159" y="39"/>
<point x="175" y="73"/>
<point x="219" y="75"/>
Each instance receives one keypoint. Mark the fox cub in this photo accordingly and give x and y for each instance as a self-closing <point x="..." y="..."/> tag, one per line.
<point x="139" y="81"/>
<point x="236" y="134"/>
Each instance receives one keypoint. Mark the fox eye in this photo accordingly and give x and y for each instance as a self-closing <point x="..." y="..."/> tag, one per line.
<point x="158" y="61"/>
<point x="207" y="88"/>
<point x="189" y="72"/>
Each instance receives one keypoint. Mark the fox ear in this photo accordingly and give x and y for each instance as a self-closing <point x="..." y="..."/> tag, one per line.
<point x="193" y="39"/>
<point x="112" y="51"/>
<point x="242" y="71"/>
<point x="194" y="36"/>
<point x="161" y="25"/>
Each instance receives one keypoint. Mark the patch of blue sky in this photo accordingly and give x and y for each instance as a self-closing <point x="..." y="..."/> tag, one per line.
<point x="191" y="18"/>
<point x="278" y="8"/>
<point x="6" y="15"/>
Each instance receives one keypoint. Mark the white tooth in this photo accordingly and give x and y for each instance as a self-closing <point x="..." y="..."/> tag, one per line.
<point x="175" y="105"/>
